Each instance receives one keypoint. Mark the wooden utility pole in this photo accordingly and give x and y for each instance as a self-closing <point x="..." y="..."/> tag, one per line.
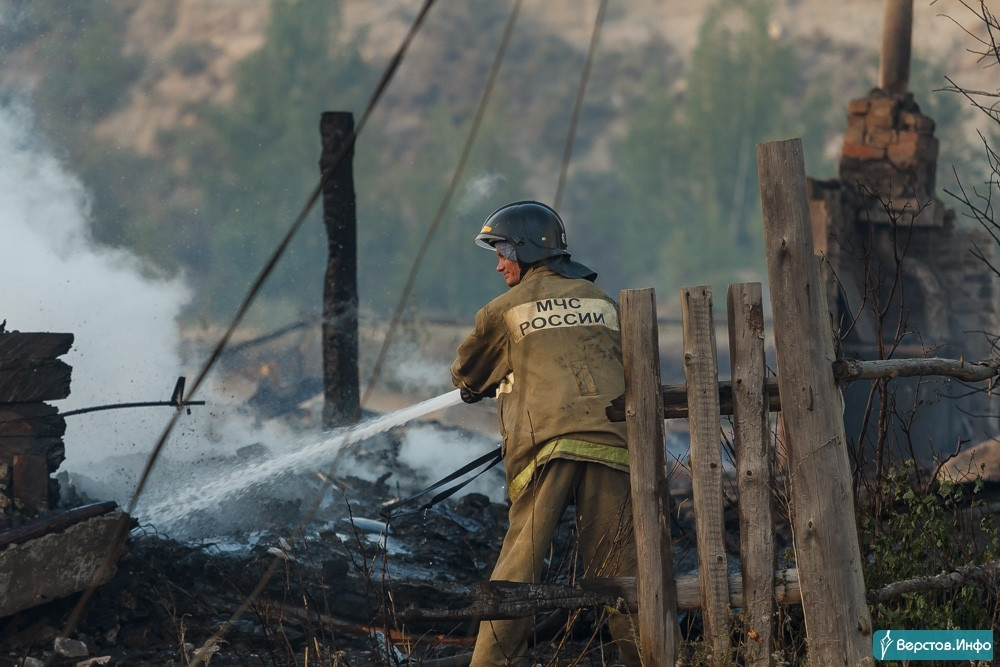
<point x="659" y="633"/>
<point x="342" y="404"/>
<point x="824" y="528"/>
<point x="894" y="62"/>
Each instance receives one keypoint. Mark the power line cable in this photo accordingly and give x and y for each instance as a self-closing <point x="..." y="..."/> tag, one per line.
<point x="446" y="200"/>
<point x="584" y="77"/>
<point x="265" y="272"/>
<point x="206" y="650"/>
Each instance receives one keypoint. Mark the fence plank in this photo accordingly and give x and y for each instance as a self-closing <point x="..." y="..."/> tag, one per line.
<point x="659" y="633"/>
<point x="701" y="374"/>
<point x="827" y="556"/>
<point x="753" y="465"/>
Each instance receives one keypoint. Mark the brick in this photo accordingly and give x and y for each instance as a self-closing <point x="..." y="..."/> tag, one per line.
<point x="904" y="156"/>
<point x="881" y="137"/>
<point x="916" y="122"/>
<point x="882" y="112"/>
<point x="862" y="152"/>
<point x="854" y="135"/>
<point x="858" y="107"/>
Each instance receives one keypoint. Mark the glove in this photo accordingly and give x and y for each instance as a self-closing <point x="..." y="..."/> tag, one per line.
<point x="470" y="397"/>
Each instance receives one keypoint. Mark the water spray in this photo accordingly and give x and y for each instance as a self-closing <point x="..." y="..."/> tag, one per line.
<point x="203" y="495"/>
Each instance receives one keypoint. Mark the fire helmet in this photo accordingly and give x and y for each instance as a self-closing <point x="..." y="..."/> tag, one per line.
<point x="536" y="231"/>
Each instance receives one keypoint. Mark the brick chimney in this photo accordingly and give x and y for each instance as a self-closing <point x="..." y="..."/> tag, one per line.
<point x="883" y="214"/>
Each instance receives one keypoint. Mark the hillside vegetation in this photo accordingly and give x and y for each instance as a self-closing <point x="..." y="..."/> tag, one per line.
<point x="195" y="127"/>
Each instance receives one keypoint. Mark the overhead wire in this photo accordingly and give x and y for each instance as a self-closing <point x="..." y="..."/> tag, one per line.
<point x="206" y="649"/>
<point x="265" y="272"/>
<point x="251" y="295"/>
<point x="578" y="104"/>
<point x="445" y="201"/>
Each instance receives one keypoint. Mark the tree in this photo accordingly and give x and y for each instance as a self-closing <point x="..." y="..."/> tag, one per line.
<point x="255" y="163"/>
<point x="691" y="155"/>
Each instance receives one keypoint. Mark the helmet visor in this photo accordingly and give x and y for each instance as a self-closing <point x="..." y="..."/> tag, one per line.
<point x="487" y="240"/>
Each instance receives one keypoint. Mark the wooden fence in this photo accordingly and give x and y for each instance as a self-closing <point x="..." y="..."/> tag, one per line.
<point x="827" y="580"/>
<point x="827" y="554"/>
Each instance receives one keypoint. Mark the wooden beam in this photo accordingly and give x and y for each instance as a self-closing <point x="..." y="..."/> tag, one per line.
<point x="675" y="404"/>
<point x="824" y="530"/>
<point x="33" y="380"/>
<point x="33" y="420"/>
<point x="21" y="345"/>
<point x="659" y="632"/>
<point x="675" y="395"/>
<point x="30" y="481"/>
<point x="54" y="524"/>
<point x="500" y="600"/>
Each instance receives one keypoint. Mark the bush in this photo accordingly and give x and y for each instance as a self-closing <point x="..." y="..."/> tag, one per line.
<point x="923" y="532"/>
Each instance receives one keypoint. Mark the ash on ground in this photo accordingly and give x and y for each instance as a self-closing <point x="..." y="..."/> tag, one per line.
<point x="295" y="581"/>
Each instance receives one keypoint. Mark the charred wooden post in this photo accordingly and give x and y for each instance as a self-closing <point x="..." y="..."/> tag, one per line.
<point x="31" y="446"/>
<point x="754" y="457"/>
<point x="342" y="404"/>
<point x="894" y="64"/>
<point x="824" y="528"/>
<point x="659" y="633"/>
<point x="701" y="372"/>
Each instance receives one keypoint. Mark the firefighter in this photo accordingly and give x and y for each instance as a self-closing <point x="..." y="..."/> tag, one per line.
<point x="549" y="351"/>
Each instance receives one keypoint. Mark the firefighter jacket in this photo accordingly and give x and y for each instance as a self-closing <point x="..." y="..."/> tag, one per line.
<point x="551" y="349"/>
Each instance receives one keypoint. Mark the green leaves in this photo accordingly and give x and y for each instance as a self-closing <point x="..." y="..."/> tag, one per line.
<point x="920" y="533"/>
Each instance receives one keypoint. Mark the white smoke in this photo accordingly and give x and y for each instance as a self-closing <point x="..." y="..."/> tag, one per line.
<point x="123" y="316"/>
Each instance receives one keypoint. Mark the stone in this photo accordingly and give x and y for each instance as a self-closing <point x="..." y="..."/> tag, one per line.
<point x="71" y="648"/>
<point x="982" y="459"/>
<point x="57" y="564"/>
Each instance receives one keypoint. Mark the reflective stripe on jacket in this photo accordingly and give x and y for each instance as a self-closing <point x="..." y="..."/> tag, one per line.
<point x="551" y="347"/>
<point x="616" y="457"/>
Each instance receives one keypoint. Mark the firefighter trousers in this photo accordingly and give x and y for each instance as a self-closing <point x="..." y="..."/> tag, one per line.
<point x="602" y="497"/>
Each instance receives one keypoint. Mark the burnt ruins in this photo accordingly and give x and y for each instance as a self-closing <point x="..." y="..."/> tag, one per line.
<point x="45" y="554"/>
<point x="903" y="279"/>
